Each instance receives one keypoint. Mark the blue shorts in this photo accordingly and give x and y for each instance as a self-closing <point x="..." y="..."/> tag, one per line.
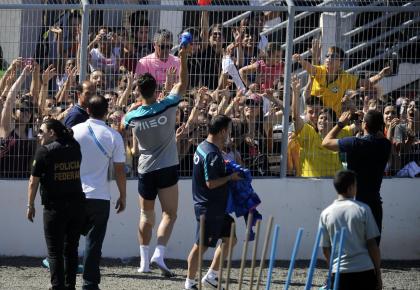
<point x="151" y="182"/>
<point x="214" y="229"/>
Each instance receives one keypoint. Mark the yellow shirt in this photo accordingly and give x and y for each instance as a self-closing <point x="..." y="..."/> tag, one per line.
<point x="316" y="161"/>
<point x="332" y="93"/>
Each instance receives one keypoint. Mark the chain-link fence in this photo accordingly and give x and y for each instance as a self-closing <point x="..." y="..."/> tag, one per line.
<point x="247" y="58"/>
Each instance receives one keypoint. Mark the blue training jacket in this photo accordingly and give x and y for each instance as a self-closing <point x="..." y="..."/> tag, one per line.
<point x="242" y="197"/>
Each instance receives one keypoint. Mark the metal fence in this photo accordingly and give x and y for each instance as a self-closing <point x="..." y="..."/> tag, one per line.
<point x="241" y="65"/>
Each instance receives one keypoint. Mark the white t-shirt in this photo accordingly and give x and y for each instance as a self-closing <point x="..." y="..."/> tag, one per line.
<point x="94" y="167"/>
<point x="357" y="218"/>
<point x="102" y="63"/>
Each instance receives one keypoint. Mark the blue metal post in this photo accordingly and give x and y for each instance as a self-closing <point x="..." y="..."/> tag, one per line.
<point x="332" y="259"/>
<point x="272" y="256"/>
<point x="293" y="258"/>
<point x="313" y="260"/>
<point x="340" y="250"/>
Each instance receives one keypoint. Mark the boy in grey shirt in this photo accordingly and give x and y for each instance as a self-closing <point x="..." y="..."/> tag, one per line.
<point x="360" y="259"/>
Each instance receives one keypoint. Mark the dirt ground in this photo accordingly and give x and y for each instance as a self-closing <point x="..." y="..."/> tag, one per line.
<point x="26" y="273"/>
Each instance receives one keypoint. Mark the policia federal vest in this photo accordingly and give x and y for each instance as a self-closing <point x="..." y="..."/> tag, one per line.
<point x="58" y="164"/>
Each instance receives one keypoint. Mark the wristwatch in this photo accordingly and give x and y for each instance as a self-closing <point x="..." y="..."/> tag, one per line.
<point x="340" y="125"/>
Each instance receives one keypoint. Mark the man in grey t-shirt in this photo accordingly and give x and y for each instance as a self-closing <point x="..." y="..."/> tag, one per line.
<point x="360" y="259"/>
<point x="153" y="124"/>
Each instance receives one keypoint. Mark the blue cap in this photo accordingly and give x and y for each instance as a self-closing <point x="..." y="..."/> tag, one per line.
<point x="186" y="38"/>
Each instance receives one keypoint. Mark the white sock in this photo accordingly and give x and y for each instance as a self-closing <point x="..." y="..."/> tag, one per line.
<point x="189" y="283"/>
<point x="159" y="252"/>
<point x="158" y="256"/>
<point x="144" y="258"/>
<point x="212" y="274"/>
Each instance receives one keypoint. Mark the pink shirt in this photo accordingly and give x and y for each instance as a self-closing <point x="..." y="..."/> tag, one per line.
<point x="268" y="74"/>
<point x="157" y="68"/>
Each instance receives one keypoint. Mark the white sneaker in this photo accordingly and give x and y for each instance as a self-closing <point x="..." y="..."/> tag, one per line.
<point x="192" y="287"/>
<point x="142" y="270"/>
<point x="162" y="267"/>
<point x="211" y="282"/>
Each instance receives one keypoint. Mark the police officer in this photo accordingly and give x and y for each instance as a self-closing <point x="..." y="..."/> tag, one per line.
<point x="56" y="167"/>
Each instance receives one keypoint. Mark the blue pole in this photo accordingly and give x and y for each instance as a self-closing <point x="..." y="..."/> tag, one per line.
<point x="313" y="260"/>
<point x="332" y="260"/>
<point x="340" y="250"/>
<point x="293" y="258"/>
<point x="272" y="256"/>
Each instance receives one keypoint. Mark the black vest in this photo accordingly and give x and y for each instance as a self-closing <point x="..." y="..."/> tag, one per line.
<point x="61" y="178"/>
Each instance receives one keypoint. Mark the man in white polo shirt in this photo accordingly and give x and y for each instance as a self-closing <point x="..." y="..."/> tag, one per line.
<point x="100" y="146"/>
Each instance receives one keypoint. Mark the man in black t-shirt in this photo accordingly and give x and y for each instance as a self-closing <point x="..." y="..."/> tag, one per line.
<point x="367" y="156"/>
<point x="210" y="194"/>
<point x="78" y="113"/>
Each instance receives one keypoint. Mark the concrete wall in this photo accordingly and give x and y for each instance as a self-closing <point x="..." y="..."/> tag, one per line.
<point x="294" y="203"/>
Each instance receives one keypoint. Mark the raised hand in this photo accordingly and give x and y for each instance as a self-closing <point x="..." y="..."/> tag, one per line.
<point x="296" y="57"/>
<point x="56" y="30"/>
<point x="48" y="74"/>
<point x="345" y="117"/>
<point x="296" y="84"/>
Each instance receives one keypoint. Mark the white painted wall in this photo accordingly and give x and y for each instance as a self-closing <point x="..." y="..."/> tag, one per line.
<point x="293" y="203"/>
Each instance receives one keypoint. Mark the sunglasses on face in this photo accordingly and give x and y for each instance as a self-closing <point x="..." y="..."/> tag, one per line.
<point x="217" y="33"/>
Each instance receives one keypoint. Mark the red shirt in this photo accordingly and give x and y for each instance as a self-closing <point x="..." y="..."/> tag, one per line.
<point x="267" y="75"/>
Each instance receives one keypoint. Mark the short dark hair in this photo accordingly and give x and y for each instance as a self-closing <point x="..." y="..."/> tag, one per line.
<point x="343" y="180"/>
<point x="330" y="112"/>
<point x="314" y="101"/>
<point x="218" y="123"/>
<point x="98" y="107"/>
<point x="147" y="85"/>
<point x="273" y="47"/>
<point x="339" y="51"/>
<point x="374" y="121"/>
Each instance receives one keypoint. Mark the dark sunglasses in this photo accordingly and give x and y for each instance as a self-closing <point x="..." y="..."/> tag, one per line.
<point x="217" y="33"/>
<point x="165" y="46"/>
<point x="40" y="132"/>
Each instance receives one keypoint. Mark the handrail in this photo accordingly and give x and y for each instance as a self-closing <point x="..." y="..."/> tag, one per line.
<point x="374" y="22"/>
<point x="395" y="48"/>
<point x="298" y="17"/>
<point x="244" y="15"/>
<point x="376" y="3"/>
<point x="304" y="36"/>
<point x="383" y="35"/>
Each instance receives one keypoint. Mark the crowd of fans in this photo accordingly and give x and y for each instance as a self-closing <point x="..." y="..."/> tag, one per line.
<point x="235" y="72"/>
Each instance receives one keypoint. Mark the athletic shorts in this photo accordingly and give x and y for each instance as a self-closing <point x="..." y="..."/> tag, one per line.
<point x="151" y="182"/>
<point x="214" y="229"/>
<point x="356" y="280"/>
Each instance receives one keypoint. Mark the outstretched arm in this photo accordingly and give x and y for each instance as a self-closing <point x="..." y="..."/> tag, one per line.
<point x="6" y="114"/>
<point x="296" y="105"/>
<point x="330" y="141"/>
<point x="181" y="87"/>
<point x="305" y="65"/>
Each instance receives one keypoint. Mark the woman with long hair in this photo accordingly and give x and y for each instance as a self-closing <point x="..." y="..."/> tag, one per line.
<point x="56" y="167"/>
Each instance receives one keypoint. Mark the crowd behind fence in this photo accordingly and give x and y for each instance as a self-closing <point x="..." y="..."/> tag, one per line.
<point x="237" y="67"/>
